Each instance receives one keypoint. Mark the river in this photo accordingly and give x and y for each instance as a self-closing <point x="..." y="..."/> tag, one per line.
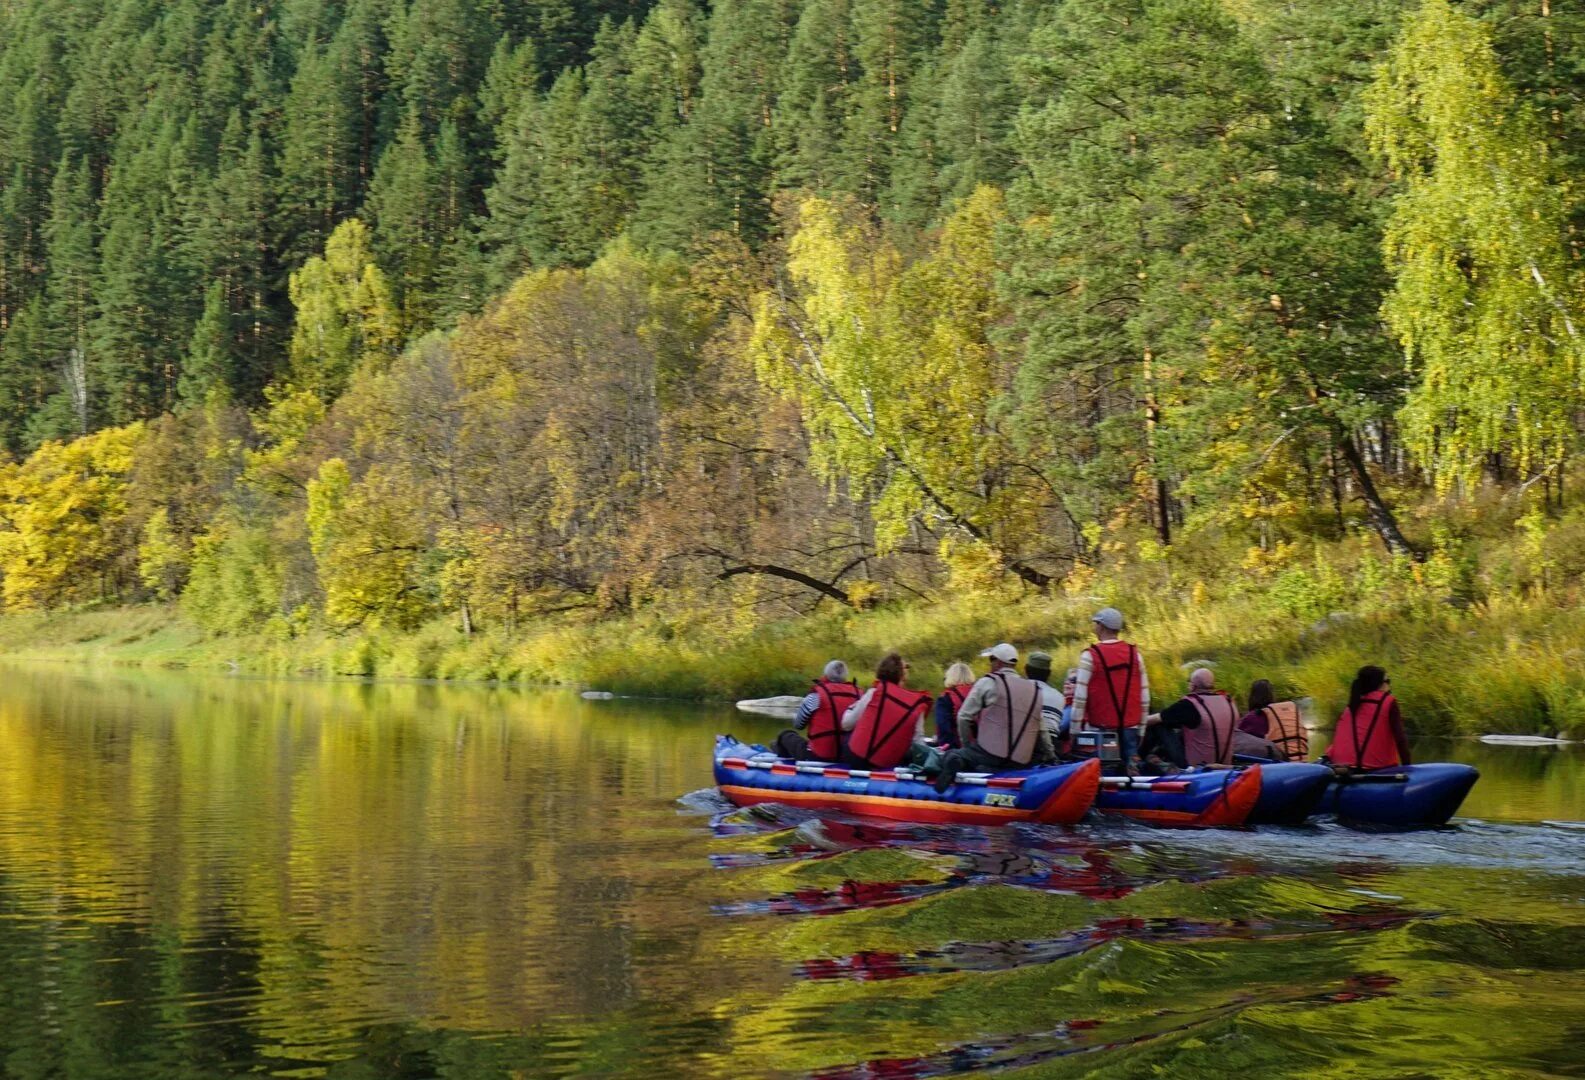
<point x="204" y="877"/>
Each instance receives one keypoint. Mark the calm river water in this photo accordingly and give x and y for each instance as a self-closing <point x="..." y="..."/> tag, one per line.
<point x="206" y="877"/>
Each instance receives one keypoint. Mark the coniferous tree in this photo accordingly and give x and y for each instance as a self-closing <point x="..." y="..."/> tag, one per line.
<point x="60" y="367"/>
<point x="665" y="67"/>
<point x="512" y="73"/>
<point x="815" y="96"/>
<point x="888" y="36"/>
<point x="208" y="366"/>
<point x="1169" y="238"/>
<point x="403" y="208"/>
<point x="714" y="174"/>
<point x="321" y="143"/>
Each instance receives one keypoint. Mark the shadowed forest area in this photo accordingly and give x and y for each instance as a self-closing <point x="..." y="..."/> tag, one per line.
<point x="673" y="347"/>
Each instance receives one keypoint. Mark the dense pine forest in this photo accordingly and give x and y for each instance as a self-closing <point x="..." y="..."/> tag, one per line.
<point x="325" y="318"/>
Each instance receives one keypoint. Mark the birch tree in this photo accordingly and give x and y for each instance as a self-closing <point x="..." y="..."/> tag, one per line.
<point x="1484" y="298"/>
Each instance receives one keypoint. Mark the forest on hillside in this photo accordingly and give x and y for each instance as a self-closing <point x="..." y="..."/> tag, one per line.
<point x="380" y="312"/>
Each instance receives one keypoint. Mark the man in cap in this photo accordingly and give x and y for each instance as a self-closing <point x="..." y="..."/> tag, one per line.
<point x="999" y="721"/>
<point x="1053" y="725"/>
<point x="1112" y="692"/>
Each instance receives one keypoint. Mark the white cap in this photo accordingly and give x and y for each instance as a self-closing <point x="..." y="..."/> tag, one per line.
<point x="1003" y="652"/>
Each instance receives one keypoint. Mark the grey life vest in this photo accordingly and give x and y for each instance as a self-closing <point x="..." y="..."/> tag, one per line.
<point x="1010" y="725"/>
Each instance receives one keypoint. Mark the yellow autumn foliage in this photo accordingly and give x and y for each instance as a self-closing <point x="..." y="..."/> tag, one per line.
<point x="62" y="512"/>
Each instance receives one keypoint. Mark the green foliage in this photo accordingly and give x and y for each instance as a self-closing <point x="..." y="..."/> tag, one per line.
<point x="892" y="370"/>
<point x="235" y="583"/>
<point x="367" y="549"/>
<point x="1485" y="297"/>
<point x="162" y="562"/>
<point x="345" y="313"/>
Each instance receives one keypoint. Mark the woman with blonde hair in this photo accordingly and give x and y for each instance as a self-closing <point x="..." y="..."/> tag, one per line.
<point x="959" y="680"/>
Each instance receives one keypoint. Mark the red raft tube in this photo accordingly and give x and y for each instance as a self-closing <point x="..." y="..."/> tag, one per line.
<point x="1056" y="795"/>
<point x="1209" y="799"/>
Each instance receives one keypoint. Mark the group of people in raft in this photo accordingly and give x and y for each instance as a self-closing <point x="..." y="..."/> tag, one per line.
<point x="1006" y="720"/>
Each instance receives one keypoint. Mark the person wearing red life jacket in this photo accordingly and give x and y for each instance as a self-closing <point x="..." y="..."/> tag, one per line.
<point x="886" y="725"/>
<point x="959" y="681"/>
<point x="999" y="722"/>
<point x="1195" y="730"/>
<point x="1370" y="732"/>
<point x="1111" y="692"/>
<point x="820" y="713"/>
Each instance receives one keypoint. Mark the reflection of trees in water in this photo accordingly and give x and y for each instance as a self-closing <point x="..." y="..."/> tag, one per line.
<point x="375" y="875"/>
<point x="465" y="857"/>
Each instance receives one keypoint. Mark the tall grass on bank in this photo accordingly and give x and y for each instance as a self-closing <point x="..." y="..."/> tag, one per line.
<point x="1485" y="634"/>
<point x="1509" y="665"/>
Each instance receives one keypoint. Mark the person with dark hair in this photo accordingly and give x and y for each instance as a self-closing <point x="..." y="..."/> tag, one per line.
<point x="886" y="726"/>
<point x="1370" y="732"/>
<point x="1264" y="722"/>
<point x="1274" y="722"/>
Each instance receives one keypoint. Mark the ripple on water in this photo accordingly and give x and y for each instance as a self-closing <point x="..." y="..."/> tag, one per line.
<point x="1126" y="949"/>
<point x="203" y="878"/>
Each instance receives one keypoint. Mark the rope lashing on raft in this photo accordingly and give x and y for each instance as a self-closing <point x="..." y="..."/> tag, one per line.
<point x="1143" y="783"/>
<point x="838" y="772"/>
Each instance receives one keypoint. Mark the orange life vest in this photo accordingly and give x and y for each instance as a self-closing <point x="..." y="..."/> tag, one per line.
<point x="1212" y="742"/>
<point x="1113" y="701"/>
<point x="825" y="726"/>
<point x="886" y="730"/>
<point x="1008" y="727"/>
<point x="1366" y="741"/>
<point x="1286" y="731"/>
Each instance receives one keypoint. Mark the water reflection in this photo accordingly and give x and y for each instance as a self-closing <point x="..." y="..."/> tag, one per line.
<point x="201" y="877"/>
<point x="214" y="868"/>
<point x="1074" y="1037"/>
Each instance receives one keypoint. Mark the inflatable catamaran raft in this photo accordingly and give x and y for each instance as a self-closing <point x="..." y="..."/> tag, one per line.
<point x="1269" y="794"/>
<point x="1057" y="795"/>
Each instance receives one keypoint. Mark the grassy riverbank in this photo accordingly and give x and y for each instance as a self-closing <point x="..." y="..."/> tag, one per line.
<point x="1505" y="660"/>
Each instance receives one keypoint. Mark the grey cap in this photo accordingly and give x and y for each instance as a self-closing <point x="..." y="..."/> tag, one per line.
<point x="1040" y="661"/>
<point x="1110" y="618"/>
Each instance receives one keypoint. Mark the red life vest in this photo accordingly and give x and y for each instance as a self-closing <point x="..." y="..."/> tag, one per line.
<point x="1286" y="731"/>
<point x="1367" y="741"/>
<point x="1212" y="742"/>
<point x="957" y="695"/>
<point x="886" y="730"/>
<point x="1113" y="701"/>
<point x="825" y="726"/>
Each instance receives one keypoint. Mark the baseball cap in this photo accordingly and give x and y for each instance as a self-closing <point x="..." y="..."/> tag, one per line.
<point x="1003" y="652"/>
<point x="1109" y="617"/>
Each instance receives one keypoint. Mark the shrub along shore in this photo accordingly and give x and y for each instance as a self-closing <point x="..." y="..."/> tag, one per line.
<point x="1466" y="656"/>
